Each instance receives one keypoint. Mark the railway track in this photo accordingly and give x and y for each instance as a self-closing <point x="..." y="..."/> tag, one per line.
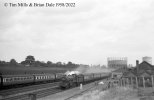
<point x="38" y="94"/>
<point x="24" y="93"/>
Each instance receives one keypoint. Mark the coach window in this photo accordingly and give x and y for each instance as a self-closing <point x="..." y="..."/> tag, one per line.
<point x="15" y="78"/>
<point x="36" y="77"/>
<point x="4" y="80"/>
<point x="22" y="78"/>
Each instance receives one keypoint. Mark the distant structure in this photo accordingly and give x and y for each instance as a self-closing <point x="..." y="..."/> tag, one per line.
<point x="117" y="62"/>
<point x="147" y="59"/>
<point x="129" y="65"/>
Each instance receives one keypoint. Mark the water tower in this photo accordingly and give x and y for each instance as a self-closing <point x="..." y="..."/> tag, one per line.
<point x="147" y="59"/>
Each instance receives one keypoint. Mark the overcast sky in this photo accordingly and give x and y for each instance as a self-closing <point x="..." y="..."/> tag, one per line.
<point x="87" y="34"/>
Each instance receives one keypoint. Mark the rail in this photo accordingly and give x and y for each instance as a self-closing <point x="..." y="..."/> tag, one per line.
<point x="29" y="93"/>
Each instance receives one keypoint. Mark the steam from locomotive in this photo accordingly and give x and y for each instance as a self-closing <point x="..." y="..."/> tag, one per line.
<point x="88" y="70"/>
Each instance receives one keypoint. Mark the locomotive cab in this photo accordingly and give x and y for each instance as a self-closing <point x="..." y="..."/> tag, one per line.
<point x="66" y="82"/>
<point x="71" y="81"/>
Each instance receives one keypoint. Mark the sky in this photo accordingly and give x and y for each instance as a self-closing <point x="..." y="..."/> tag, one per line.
<point x="85" y="34"/>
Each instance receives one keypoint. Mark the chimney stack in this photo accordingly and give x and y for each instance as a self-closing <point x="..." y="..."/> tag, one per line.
<point x="137" y="66"/>
<point x="137" y="62"/>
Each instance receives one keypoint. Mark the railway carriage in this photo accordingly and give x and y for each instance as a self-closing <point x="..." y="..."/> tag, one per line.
<point x="44" y="77"/>
<point x="97" y="75"/>
<point x="8" y="81"/>
<point x="88" y="77"/>
<point x="16" y="79"/>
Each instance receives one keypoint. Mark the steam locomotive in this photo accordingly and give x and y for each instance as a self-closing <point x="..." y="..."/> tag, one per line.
<point x="69" y="81"/>
<point x="13" y="80"/>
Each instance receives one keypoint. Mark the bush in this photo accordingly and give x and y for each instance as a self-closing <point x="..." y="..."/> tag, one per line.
<point x="118" y="93"/>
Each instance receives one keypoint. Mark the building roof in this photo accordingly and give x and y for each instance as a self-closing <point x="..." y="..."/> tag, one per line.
<point x="144" y="69"/>
<point x="143" y="66"/>
<point x="146" y="66"/>
<point x="129" y="74"/>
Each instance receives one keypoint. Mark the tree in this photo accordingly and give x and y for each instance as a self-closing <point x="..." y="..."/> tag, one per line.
<point x="49" y="63"/>
<point x="69" y="63"/>
<point x="23" y="62"/>
<point x="13" y="62"/>
<point x="59" y="63"/>
<point x="29" y="60"/>
<point x="37" y="63"/>
<point x="3" y="62"/>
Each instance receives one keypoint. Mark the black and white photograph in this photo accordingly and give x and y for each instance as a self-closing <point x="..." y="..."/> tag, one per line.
<point x="76" y="49"/>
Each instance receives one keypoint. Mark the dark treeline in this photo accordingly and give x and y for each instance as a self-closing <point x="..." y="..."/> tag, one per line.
<point x="30" y="61"/>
